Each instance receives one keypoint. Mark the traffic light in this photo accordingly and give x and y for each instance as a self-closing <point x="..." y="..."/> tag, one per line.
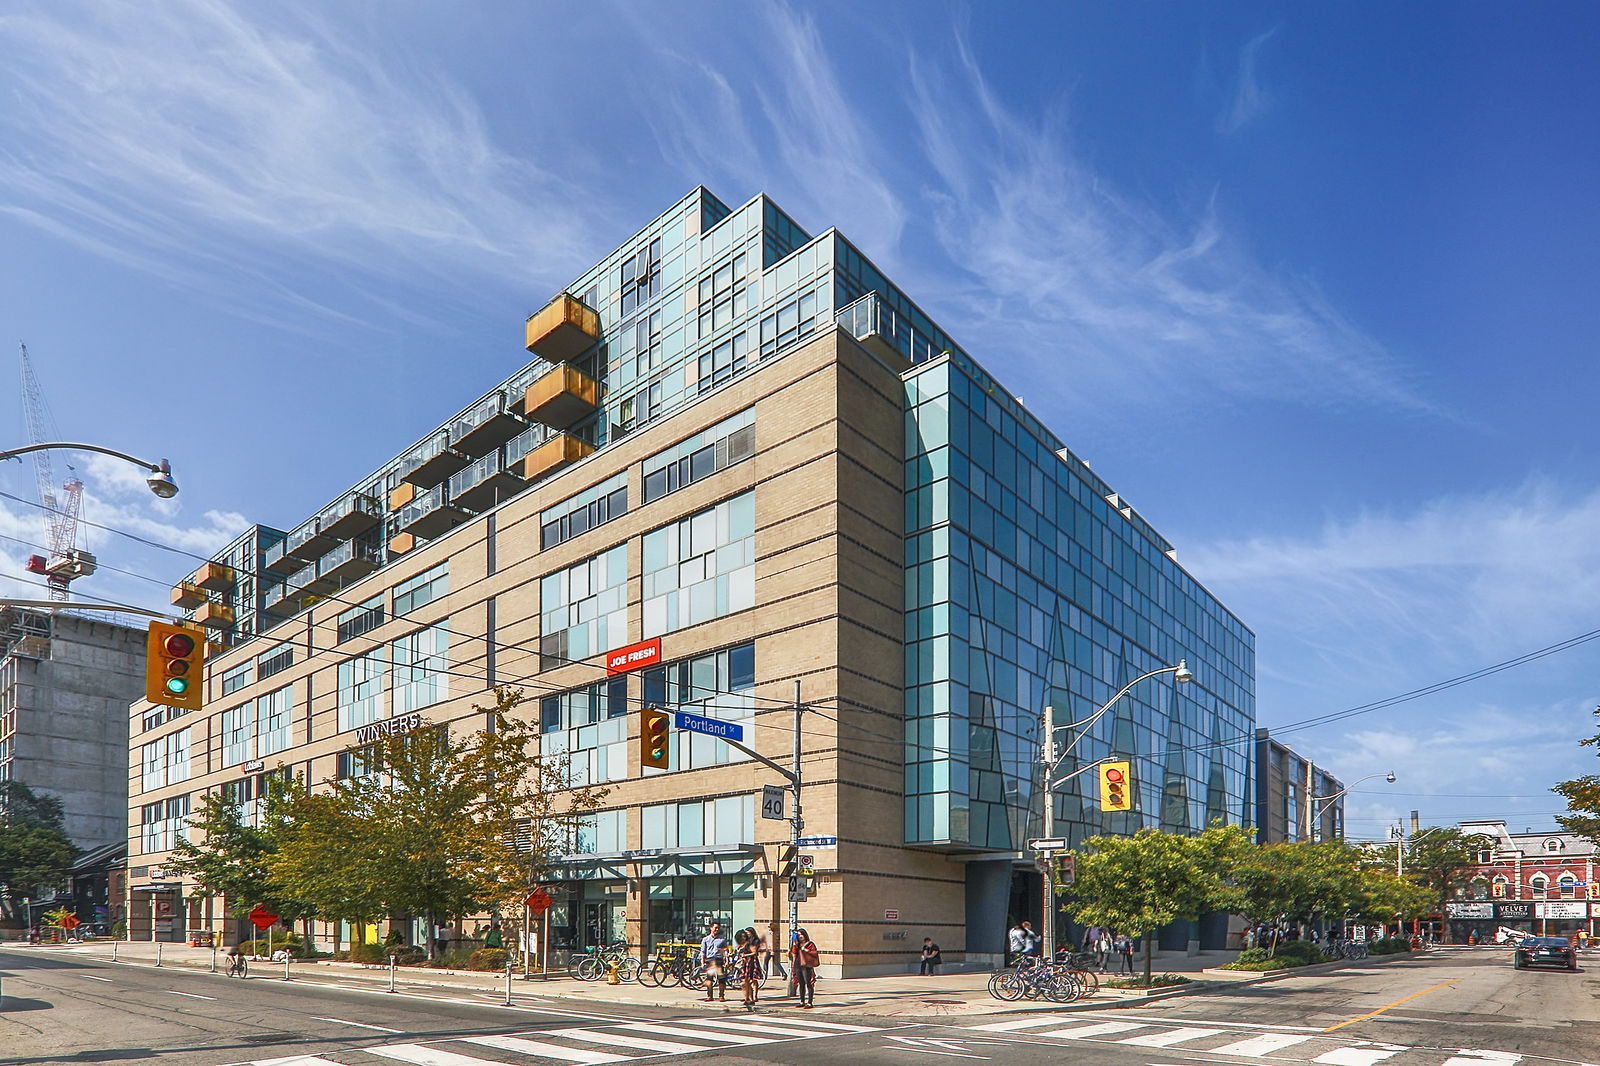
<point x="654" y="749"/>
<point x="1115" y="787"/>
<point x="174" y="669"/>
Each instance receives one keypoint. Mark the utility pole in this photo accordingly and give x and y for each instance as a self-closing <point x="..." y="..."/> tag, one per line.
<point x="1047" y="760"/>
<point x="796" y="825"/>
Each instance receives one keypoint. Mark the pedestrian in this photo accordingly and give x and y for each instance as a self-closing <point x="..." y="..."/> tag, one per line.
<point x="1021" y="941"/>
<point x="714" y="955"/>
<point x="748" y="965"/>
<point x="494" y="938"/>
<point x="1123" y="946"/>
<point x="804" y="958"/>
<point x="1102" y="948"/>
<point x="771" y="963"/>
<point x="930" y="958"/>
<point x="441" y="938"/>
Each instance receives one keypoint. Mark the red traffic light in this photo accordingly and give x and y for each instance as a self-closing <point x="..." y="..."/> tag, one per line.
<point x="178" y="644"/>
<point x="1113" y="775"/>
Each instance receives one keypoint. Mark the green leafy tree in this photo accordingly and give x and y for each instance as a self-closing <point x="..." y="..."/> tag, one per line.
<point x="1298" y="881"/>
<point x="1442" y="860"/>
<point x="1583" y="799"/>
<point x="227" y="856"/>
<point x="1138" y="884"/>
<point x="441" y="827"/>
<point x="35" y="852"/>
<point x="1386" y="898"/>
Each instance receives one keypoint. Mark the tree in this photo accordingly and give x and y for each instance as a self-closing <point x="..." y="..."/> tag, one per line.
<point x="1297" y="880"/>
<point x="35" y="852"/>
<point x="1140" y="883"/>
<point x="227" y="856"/>
<point x="1583" y="799"/>
<point x="1441" y="860"/>
<point x="1385" y="898"/>
<point x="437" y="827"/>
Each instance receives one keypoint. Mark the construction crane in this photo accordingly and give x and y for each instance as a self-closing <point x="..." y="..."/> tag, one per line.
<point x="65" y="563"/>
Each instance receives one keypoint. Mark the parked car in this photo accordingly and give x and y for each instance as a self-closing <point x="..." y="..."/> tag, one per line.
<point x="1544" y="951"/>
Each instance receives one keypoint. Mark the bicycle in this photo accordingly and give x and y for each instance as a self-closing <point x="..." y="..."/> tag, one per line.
<point x="238" y="966"/>
<point x="674" y="961"/>
<point x="595" y="964"/>
<point x="1033" y="978"/>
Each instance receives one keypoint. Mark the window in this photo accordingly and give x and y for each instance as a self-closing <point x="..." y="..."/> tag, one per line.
<point x="164" y="824"/>
<point x="723" y="295"/>
<point x="701" y="567"/>
<point x="789" y="323"/>
<point x="272" y="721"/>
<point x="639" y="277"/>
<point x="421" y="669"/>
<point x="647" y="344"/>
<point x="362" y="618"/>
<point x="361" y="689"/>
<point x="589" y="726"/>
<point x="1568" y="884"/>
<point x="238" y="734"/>
<point x="587" y="510"/>
<point x="356" y="762"/>
<point x="165" y="760"/>
<point x="700" y="824"/>
<point x="237" y="678"/>
<point x="722" y="362"/>
<point x="583" y="610"/>
<point x="275" y="661"/>
<point x="702" y="455"/>
<point x="1555" y="844"/>
<point x="714" y="685"/>
<point x="1538" y="884"/>
<point x="421" y="590"/>
<point x="600" y="833"/>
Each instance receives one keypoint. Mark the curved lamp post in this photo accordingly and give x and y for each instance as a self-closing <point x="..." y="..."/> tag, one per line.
<point x="1049" y="760"/>
<point x="1319" y="804"/>
<point x="160" y="479"/>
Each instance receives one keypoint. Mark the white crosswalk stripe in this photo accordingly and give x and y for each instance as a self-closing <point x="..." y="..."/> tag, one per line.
<point x="1083" y="1032"/>
<point x="679" y="1030"/>
<point x="1358" y="1056"/>
<point x="297" y="1060"/>
<point x="423" y="1056"/>
<point x="523" y="1046"/>
<point x="596" y="1036"/>
<point x="755" y="1028"/>
<point x="1468" y="1057"/>
<point x="1256" y="1046"/>
<point x="1167" y="1039"/>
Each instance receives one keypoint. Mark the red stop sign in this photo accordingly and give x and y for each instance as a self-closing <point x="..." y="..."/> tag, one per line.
<point x="261" y="918"/>
<point x="538" y="901"/>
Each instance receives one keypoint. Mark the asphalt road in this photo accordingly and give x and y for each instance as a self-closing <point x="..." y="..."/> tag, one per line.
<point x="1465" y="1008"/>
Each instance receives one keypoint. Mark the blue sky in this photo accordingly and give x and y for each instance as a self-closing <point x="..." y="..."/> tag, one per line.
<point x="1312" y="285"/>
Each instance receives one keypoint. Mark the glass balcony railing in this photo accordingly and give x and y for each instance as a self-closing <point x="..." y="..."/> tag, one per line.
<point x="277" y="560"/>
<point x="349" y="561"/>
<point x="354" y="514"/>
<point x="870" y="318"/>
<point x="431" y="462"/>
<point x="485" y="426"/>
<point x="430" y="514"/>
<point x="309" y="542"/>
<point x="484" y="484"/>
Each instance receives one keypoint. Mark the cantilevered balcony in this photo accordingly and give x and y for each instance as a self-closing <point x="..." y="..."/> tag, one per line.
<point x="348" y="562"/>
<point x="283" y="598"/>
<point x="279" y="561"/>
<point x="216" y="577"/>
<point x="552" y="455"/>
<point x="188" y="595"/>
<point x="354" y="514"/>
<point x="484" y="484"/>
<point x="561" y="397"/>
<point x="214" y="615"/>
<point x="430" y="514"/>
<point x="486" y="426"/>
<point x="428" y="464"/>
<point x="564" y="330"/>
<point x="309" y="542"/>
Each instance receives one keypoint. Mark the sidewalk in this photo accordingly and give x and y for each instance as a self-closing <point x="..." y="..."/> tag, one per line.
<point x="900" y="996"/>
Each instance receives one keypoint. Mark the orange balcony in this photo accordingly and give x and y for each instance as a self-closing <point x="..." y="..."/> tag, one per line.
<point x="401" y="495"/>
<point x="561" y="397"/>
<point x="554" y="454"/>
<point x="216" y="577"/>
<point x="215" y="615"/>
<point x="402" y="543"/>
<point x="187" y="595"/>
<point x="564" y="330"/>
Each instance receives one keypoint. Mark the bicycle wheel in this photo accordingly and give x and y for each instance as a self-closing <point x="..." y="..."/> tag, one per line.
<point x="1007" y="986"/>
<point x="1089" y="979"/>
<point x="1061" y="986"/>
<point x="628" y="968"/>
<point x="650" y="976"/>
<point x="588" y="969"/>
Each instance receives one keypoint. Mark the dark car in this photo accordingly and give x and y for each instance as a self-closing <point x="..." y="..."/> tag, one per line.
<point x="1544" y="951"/>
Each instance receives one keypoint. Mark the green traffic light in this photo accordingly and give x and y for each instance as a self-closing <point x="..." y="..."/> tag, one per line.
<point x="177" y="685"/>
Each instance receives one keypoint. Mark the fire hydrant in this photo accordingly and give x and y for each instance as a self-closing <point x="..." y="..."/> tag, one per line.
<point x="612" y="977"/>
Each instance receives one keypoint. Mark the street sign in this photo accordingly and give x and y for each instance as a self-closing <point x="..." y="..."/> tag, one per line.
<point x="772" y="802"/>
<point x="261" y="918"/>
<point x="798" y="890"/>
<point x="538" y="901"/>
<point x="818" y="842"/>
<point x="711" y="727"/>
<point x="70" y="922"/>
<point x="1052" y="844"/>
<point x="808" y="865"/>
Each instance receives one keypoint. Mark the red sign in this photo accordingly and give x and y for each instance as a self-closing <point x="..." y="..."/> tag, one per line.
<point x="538" y="901"/>
<point x="634" y="656"/>
<point x="261" y="918"/>
<point x="70" y="922"/>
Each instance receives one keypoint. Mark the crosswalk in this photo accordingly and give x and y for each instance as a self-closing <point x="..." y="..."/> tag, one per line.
<point x="1233" y="1043"/>
<point x="588" y="1045"/>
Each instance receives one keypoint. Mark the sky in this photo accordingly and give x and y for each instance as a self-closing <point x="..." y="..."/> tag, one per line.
<point x="1311" y="285"/>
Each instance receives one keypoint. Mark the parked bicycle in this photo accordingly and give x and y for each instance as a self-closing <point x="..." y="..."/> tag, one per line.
<point x="1033" y="978"/>
<point x="1344" y="949"/>
<point x="675" y="962"/>
<point x="595" y="964"/>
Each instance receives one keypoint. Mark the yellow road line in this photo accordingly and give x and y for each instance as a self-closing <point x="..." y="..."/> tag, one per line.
<point x="1391" y="1006"/>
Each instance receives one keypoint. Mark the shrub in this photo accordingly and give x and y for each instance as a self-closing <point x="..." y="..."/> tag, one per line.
<point x="1157" y="980"/>
<point x="1388" y="946"/>
<point x="404" y="954"/>
<point x="289" y="942"/>
<point x="488" y="959"/>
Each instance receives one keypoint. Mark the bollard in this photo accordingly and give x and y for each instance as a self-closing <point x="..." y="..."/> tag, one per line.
<point x="113" y="951"/>
<point x="508" y="983"/>
<point x="285" y="967"/>
<point x="158" y="953"/>
<point x="391" y="972"/>
<point x="213" y="957"/>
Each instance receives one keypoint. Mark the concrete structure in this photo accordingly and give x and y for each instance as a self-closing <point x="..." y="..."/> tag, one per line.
<point x="1541" y="883"/>
<point x="742" y="460"/>
<point x="66" y="679"/>
<point x="1295" y="799"/>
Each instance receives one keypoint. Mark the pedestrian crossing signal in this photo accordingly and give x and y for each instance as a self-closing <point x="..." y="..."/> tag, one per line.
<point x="1115" y="791"/>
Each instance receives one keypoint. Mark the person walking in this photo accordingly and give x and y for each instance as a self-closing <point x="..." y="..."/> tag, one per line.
<point x="803" y="960"/>
<point x="1123" y="946"/>
<point x="1021" y="941"/>
<point x="441" y="938"/>
<point x="494" y="938"/>
<point x="772" y="962"/>
<point x="748" y="966"/>
<point x="930" y="958"/>
<point x="714" y="955"/>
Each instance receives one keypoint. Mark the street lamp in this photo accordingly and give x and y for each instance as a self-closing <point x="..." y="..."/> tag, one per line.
<point x="1050" y="761"/>
<point x="160" y="479"/>
<point x="1318" y="811"/>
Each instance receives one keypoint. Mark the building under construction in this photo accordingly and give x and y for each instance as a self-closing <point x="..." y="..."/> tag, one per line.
<point x="66" y="679"/>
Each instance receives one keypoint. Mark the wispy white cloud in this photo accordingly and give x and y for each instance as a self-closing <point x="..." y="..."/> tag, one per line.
<point x="1069" y="275"/>
<point x="1250" y="99"/>
<point x="172" y="136"/>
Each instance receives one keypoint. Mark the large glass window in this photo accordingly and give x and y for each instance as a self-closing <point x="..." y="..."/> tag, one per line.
<point x="361" y="689"/>
<point x="273" y="713"/>
<point x="164" y="823"/>
<point x="583" y="610"/>
<point x="361" y="618"/>
<point x="421" y="668"/>
<point x="589" y="509"/>
<point x="237" y="678"/>
<point x="717" y="685"/>
<point x="700" y="456"/>
<point x="165" y="761"/>
<point x="701" y="567"/>
<point x="589" y="726"/>
<point x="239" y="734"/>
<point x="699" y="824"/>
<point x="422" y="589"/>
